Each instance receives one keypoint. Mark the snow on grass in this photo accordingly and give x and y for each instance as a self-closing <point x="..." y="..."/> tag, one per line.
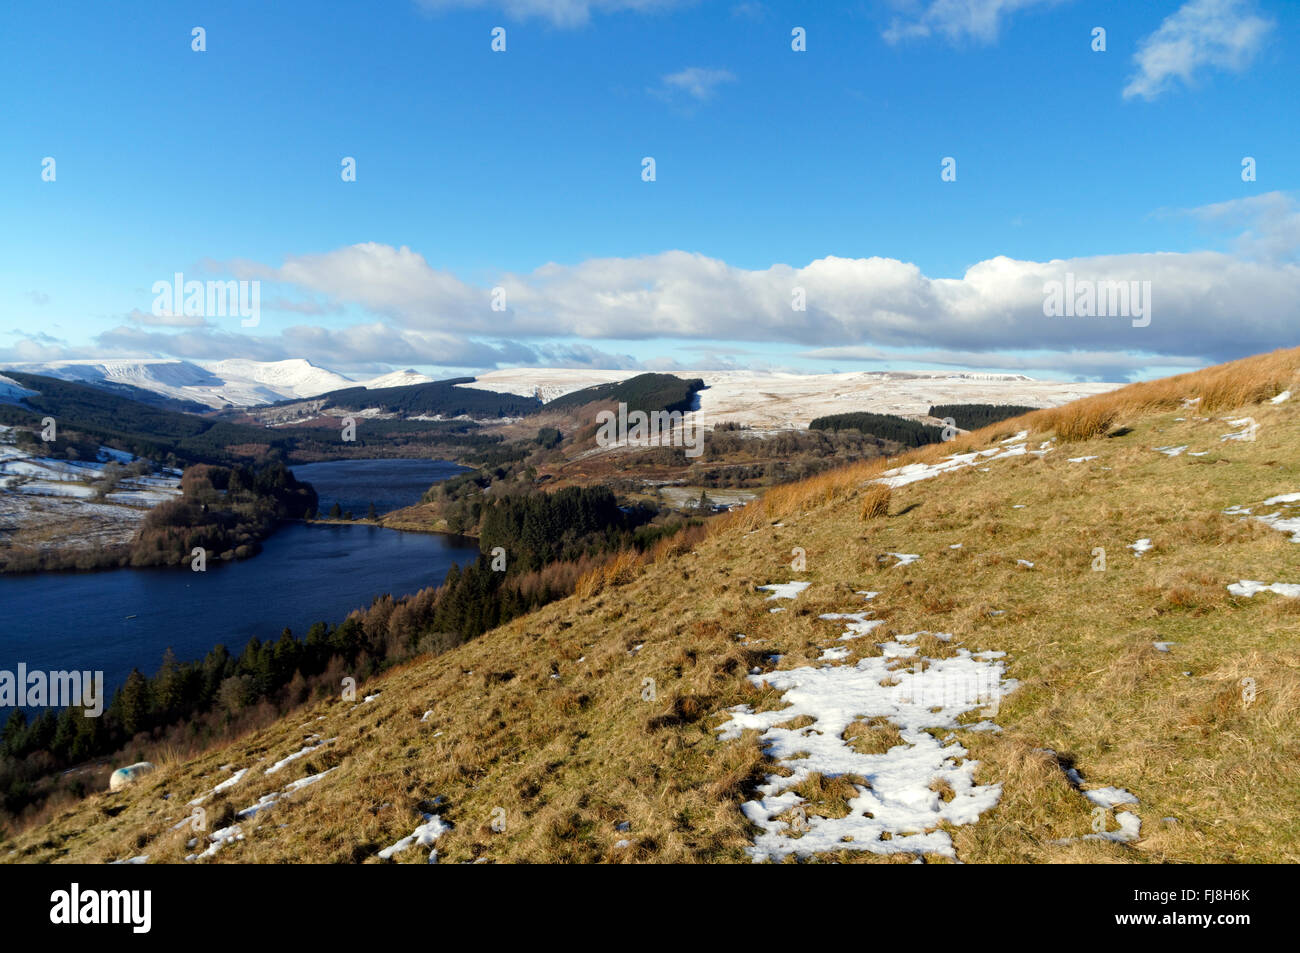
<point x="1130" y="827"/>
<point x="858" y="623"/>
<point x="904" y="559"/>
<point x="138" y="859"/>
<point x="1248" y="588"/>
<point x="1109" y="797"/>
<point x="1163" y="646"/>
<point x="903" y="798"/>
<point x="425" y="835"/>
<point x="1170" y="451"/>
<point x="304" y="782"/>
<point x="1025" y="562"/>
<point x="914" y="472"/>
<point x="219" y="839"/>
<point x="1247" y="432"/>
<point x="1283" y="520"/>
<point x="227" y="835"/>
<point x="298" y="754"/>
<point x="785" y="590"/>
<point x="1143" y="545"/>
<point x="230" y="782"/>
<point x="1280" y="398"/>
<point x="1081" y="459"/>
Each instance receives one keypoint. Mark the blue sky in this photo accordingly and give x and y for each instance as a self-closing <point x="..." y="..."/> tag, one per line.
<point x="775" y="170"/>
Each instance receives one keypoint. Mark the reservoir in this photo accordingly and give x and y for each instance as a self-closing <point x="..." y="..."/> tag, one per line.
<point x="118" y="619"/>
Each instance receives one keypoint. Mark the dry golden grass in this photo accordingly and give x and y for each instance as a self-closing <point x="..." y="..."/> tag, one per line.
<point x="604" y="730"/>
<point x="875" y="501"/>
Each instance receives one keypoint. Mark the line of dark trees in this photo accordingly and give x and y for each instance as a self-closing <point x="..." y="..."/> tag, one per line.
<point x="908" y="433"/>
<point x="975" y="416"/>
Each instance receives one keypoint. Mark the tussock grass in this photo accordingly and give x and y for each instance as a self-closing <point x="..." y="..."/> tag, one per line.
<point x="875" y="501"/>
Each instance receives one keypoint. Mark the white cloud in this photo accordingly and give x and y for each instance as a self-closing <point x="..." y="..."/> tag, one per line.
<point x="563" y="13"/>
<point x="1224" y="34"/>
<point x="697" y="82"/>
<point x="1210" y="304"/>
<point x="956" y="20"/>
<point x="1267" y="226"/>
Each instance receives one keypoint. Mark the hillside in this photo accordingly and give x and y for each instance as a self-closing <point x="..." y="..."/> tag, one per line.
<point x="434" y="399"/>
<point x="776" y="400"/>
<point x="969" y="676"/>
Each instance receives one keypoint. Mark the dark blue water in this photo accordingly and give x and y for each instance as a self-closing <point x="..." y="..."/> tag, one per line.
<point x="118" y="619"/>
<point x="389" y="484"/>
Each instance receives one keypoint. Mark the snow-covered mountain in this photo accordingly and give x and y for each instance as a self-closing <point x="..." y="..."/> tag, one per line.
<point x="292" y="378"/>
<point x="216" y="384"/>
<point x="398" y="379"/>
<point x="237" y="382"/>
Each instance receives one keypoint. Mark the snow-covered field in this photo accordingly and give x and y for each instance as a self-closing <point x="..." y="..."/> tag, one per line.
<point x="783" y="401"/>
<point x="50" y="494"/>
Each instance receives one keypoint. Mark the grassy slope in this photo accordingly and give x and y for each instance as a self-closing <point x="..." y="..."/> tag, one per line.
<point x="568" y="758"/>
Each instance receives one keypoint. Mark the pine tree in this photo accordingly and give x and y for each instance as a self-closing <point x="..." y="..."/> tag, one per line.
<point x="336" y="511"/>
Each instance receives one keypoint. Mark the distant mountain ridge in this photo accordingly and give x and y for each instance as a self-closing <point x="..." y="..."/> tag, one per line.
<point x="761" y="399"/>
<point x="215" y="384"/>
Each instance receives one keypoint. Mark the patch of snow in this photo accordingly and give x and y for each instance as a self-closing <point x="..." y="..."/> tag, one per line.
<point x="228" y="783"/>
<point x="1248" y="588"/>
<point x="218" y="840"/>
<point x="1281" y="521"/>
<point x="1247" y="432"/>
<point x="1109" y="797"/>
<point x="1130" y="827"/>
<point x="785" y="590"/>
<point x="859" y="625"/>
<point x="1143" y="545"/>
<point x="297" y="754"/>
<point x="425" y="835"/>
<point x="899" y="801"/>
<point x="914" y="472"/>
